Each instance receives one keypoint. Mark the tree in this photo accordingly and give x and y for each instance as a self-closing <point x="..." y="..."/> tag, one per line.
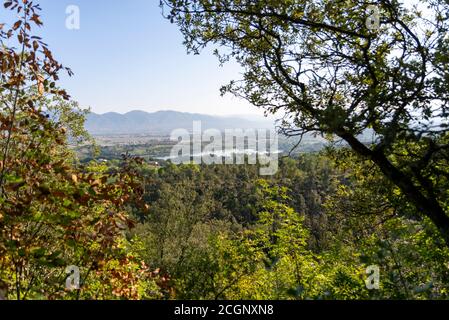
<point x="53" y="214"/>
<point x="324" y="64"/>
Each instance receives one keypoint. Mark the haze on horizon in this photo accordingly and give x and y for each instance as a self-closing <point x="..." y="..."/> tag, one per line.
<point x="126" y="57"/>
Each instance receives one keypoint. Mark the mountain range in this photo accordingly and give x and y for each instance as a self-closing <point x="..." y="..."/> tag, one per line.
<point x="164" y="122"/>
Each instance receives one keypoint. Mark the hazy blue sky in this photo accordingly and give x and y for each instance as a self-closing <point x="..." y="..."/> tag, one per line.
<point x="127" y="56"/>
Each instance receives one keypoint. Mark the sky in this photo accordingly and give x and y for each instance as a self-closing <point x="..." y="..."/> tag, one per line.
<point x="126" y="56"/>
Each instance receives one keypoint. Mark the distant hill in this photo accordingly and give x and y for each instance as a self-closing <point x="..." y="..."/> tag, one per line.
<point x="163" y="122"/>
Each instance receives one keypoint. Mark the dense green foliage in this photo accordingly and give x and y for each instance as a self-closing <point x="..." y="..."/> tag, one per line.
<point x="223" y="232"/>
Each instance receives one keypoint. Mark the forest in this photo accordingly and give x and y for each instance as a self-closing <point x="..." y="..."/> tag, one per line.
<point x="319" y="228"/>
